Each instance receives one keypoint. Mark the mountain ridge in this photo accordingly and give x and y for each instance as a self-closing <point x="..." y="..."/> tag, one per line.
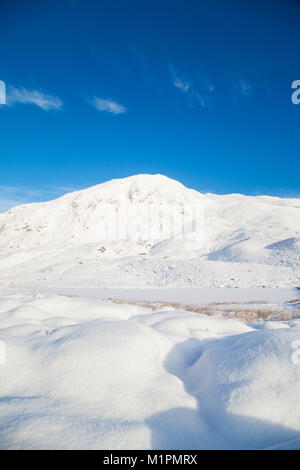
<point x="236" y="229"/>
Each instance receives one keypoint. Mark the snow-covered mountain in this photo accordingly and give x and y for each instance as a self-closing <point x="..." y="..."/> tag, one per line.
<point x="134" y="231"/>
<point x="69" y="344"/>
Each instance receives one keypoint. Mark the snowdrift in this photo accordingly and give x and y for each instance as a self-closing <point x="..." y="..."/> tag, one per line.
<point x="82" y="373"/>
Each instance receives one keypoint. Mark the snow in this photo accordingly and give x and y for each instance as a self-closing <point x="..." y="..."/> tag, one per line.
<point x="193" y="296"/>
<point x="151" y="231"/>
<point x="133" y="339"/>
<point x="86" y="373"/>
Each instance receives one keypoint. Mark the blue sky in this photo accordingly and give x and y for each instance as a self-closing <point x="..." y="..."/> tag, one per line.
<point x="198" y="90"/>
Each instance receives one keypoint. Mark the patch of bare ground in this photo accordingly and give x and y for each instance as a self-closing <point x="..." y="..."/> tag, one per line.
<point x="69" y="295"/>
<point x="233" y="310"/>
<point x="294" y="301"/>
<point x="251" y="302"/>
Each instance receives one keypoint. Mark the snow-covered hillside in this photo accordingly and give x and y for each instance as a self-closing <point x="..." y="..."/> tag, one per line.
<point x="147" y="367"/>
<point x="137" y="231"/>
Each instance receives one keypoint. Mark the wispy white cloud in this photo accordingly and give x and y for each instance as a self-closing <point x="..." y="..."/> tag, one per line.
<point x="198" y="91"/>
<point x="7" y="203"/>
<point x="38" y="98"/>
<point x="2" y="92"/>
<point x="11" y="196"/>
<point x="109" y="106"/>
<point x="182" y="85"/>
<point x="201" y="99"/>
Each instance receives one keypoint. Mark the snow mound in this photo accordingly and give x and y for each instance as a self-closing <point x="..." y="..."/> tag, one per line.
<point x="253" y="250"/>
<point x="249" y="385"/>
<point x="82" y="373"/>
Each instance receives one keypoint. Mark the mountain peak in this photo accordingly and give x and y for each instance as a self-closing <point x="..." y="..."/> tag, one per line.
<point x="153" y="188"/>
<point x="145" y="180"/>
